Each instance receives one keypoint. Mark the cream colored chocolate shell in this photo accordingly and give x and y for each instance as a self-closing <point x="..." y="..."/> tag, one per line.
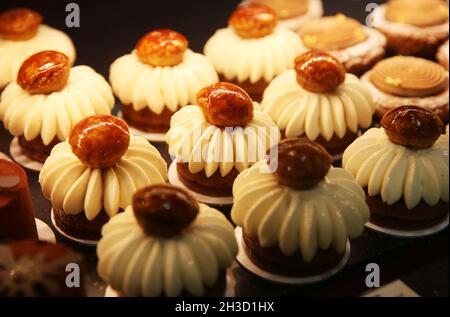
<point x="14" y="53"/>
<point x="409" y="77"/>
<point x="253" y="59"/>
<point x="208" y="148"/>
<point x="53" y="116"/>
<point x="142" y="85"/>
<point x="299" y="220"/>
<point x="76" y="188"/>
<point x="299" y="112"/>
<point x="443" y="54"/>
<point x="139" y="265"/>
<point x="398" y="173"/>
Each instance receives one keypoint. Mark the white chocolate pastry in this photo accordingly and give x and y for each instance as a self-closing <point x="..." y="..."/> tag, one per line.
<point x="264" y="58"/>
<point x="76" y="188"/>
<point x="142" y="85"/>
<point x="147" y="265"/>
<point x="209" y="148"/>
<point x="295" y="220"/>
<point x="396" y="172"/>
<point x="14" y="53"/>
<point x="53" y="115"/>
<point x="298" y="111"/>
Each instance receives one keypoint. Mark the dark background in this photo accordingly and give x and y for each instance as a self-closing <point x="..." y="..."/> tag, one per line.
<point x="111" y="28"/>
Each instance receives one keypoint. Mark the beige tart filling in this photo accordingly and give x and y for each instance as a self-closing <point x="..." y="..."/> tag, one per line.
<point x="356" y="46"/>
<point x="402" y="80"/>
<point x="417" y="12"/>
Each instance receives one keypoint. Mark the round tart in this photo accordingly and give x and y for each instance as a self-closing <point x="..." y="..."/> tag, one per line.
<point x="403" y="80"/>
<point x="297" y="219"/>
<point x="16" y="210"/>
<point x="93" y="175"/>
<point x="166" y="244"/>
<point x="31" y="268"/>
<point x="293" y="14"/>
<point x="162" y="61"/>
<point x="442" y="54"/>
<point x="403" y="167"/>
<point x="22" y="34"/>
<point x="356" y="46"/>
<point x="264" y="49"/>
<point x="319" y="100"/>
<point x="413" y="27"/>
<point x="222" y="135"/>
<point x="48" y="98"/>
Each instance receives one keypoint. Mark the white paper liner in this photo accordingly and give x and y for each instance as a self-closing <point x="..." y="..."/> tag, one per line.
<point x="3" y="156"/>
<point x="152" y="137"/>
<point x="18" y="156"/>
<point x="86" y="242"/>
<point x="247" y="263"/>
<point x="45" y="233"/>
<point x="229" y="292"/>
<point x="410" y="233"/>
<point x="210" y="200"/>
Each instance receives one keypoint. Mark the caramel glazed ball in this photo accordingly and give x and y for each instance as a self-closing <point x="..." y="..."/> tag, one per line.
<point x="100" y="141"/>
<point x="44" y="72"/>
<point x="164" y="210"/>
<point x="302" y="163"/>
<point x="253" y="20"/>
<point x="413" y="127"/>
<point x="19" y="24"/>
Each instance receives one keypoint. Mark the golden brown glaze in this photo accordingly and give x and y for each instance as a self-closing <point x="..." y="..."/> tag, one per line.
<point x="286" y="9"/>
<point x="19" y="24"/>
<point x="302" y="163"/>
<point x="253" y="20"/>
<point x="162" y="47"/>
<point x="420" y="13"/>
<point x="225" y="105"/>
<point x="319" y="72"/>
<point x="164" y="210"/>
<point x="100" y="141"/>
<point x="412" y="126"/>
<point x="44" y="72"/>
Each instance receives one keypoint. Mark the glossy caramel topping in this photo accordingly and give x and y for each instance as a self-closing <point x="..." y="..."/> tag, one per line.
<point x="162" y="48"/>
<point x="319" y="72"/>
<point x="286" y="9"/>
<point x="413" y="127"/>
<point x="421" y="13"/>
<point x="44" y="72"/>
<point x="302" y="163"/>
<point x="332" y="33"/>
<point x="253" y="20"/>
<point x="225" y="105"/>
<point x="409" y="77"/>
<point x="19" y="24"/>
<point x="100" y="141"/>
<point x="164" y="210"/>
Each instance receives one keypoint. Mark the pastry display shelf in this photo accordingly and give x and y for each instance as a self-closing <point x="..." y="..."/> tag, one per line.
<point x="395" y="256"/>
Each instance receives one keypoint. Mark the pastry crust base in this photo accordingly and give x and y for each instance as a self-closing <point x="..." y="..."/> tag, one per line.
<point x="442" y="55"/>
<point x="146" y="120"/>
<point x="36" y="149"/>
<point x="255" y="90"/>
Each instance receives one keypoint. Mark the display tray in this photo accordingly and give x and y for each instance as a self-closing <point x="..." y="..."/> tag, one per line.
<point x="395" y="256"/>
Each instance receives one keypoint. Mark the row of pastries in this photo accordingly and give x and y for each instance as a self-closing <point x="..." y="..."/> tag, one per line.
<point x="270" y="82"/>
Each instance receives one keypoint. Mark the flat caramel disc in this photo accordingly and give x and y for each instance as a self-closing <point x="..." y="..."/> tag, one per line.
<point x="286" y="8"/>
<point x="409" y="77"/>
<point x="421" y="13"/>
<point x="332" y="33"/>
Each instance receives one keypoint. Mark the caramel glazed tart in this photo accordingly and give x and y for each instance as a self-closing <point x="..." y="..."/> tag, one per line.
<point x="438" y="103"/>
<point x="315" y="11"/>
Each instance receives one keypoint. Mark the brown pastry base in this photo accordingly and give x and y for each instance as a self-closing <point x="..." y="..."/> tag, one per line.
<point x="146" y="120"/>
<point x="216" y="185"/>
<point x="426" y="47"/>
<point x="362" y="67"/>
<point x="441" y="112"/>
<point x="397" y="216"/>
<point x="336" y="145"/>
<point x="255" y="90"/>
<point x="79" y="226"/>
<point x="36" y="149"/>
<point x="274" y="261"/>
